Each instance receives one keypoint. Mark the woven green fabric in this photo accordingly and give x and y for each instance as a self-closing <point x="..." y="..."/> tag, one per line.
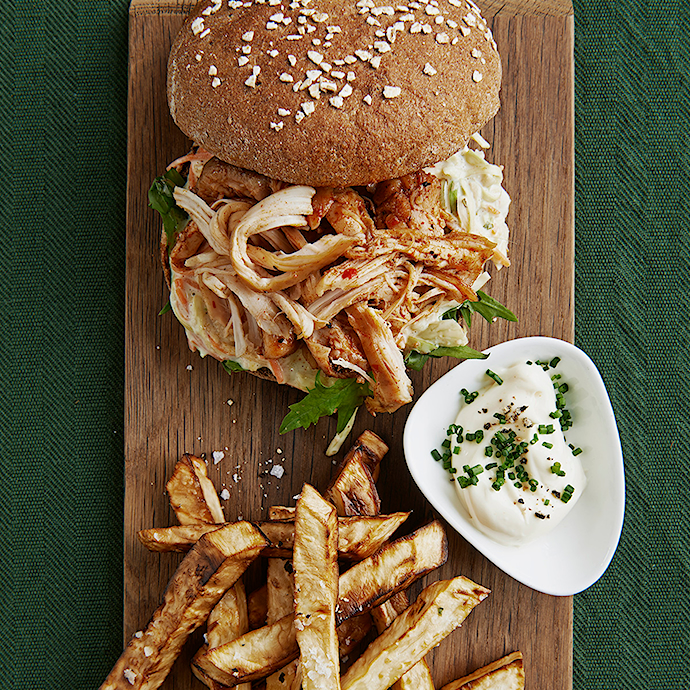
<point x="62" y="120"/>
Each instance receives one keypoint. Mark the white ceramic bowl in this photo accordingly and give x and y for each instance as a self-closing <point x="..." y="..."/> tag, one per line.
<point x="576" y="553"/>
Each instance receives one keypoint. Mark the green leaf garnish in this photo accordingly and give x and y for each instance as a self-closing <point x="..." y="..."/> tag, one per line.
<point x="161" y="199"/>
<point x="231" y="366"/>
<point x="416" y="360"/>
<point x="488" y="307"/>
<point x="344" y="395"/>
<point x="165" y="309"/>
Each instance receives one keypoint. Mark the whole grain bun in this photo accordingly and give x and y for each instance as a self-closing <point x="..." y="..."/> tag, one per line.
<point x="389" y="89"/>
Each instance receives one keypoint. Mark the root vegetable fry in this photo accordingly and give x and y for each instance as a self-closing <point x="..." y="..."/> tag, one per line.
<point x="315" y="560"/>
<point x="439" y="609"/>
<point x="204" y="575"/>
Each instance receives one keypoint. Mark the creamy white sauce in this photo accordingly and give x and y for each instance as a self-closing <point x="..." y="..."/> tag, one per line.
<point x="512" y="515"/>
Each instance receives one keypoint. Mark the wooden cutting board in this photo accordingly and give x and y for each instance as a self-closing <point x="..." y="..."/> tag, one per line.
<point x="176" y="402"/>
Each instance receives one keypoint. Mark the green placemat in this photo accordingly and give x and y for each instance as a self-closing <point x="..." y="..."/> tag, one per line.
<point x="63" y="74"/>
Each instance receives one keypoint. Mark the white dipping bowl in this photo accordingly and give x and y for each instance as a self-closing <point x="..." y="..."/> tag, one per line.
<point x="576" y="553"/>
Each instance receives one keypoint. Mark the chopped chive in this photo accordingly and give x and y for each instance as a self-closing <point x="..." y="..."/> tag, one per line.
<point x="577" y="451"/>
<point x="488" y="451"/>
<point x="477" y="469"/>
<point x="490" y="466"/>
<point x="547" y="445"/>
<point x="518" y="485"/>
<point x="554" y="362"/>
<point x="493" y="375"/>
<point x="435" y="455"/>
<point x="556" y="414"/>
<point x="534" y="439"/>
<point x="563" y="388"/>
<point x="546" y="501"/>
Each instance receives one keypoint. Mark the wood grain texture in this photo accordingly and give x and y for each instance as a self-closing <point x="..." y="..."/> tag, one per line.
<point x="170" y="409"/>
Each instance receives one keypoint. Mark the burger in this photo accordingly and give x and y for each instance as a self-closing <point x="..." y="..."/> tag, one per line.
<point x="332" y="225"/>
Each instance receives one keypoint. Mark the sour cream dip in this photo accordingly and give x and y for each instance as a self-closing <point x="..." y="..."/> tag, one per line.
<point x="514" y="472"/>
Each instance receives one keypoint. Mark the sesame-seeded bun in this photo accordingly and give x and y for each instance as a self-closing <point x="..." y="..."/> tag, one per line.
<point x="333" y="93"/>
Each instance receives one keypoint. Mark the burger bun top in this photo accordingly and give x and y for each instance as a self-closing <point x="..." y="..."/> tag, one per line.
<point x="333" y="93"/>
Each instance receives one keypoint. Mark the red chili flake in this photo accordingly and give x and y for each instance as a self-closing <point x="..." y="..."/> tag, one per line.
<point x="349" y="273"/>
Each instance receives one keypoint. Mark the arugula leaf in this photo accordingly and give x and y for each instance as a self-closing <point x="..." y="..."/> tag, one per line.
<point x="488" y="307"/>
<point x="416" y="360"/>
<point x="161" y="199"/>
<point x="231" y="366"/>
<point x="344" y="395"/>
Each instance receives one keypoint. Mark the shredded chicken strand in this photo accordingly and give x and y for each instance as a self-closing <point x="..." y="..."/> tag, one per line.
<point x="340" y="278"/>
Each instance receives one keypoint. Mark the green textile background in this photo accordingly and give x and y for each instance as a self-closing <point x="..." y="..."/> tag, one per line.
<point x="63" y="68"/>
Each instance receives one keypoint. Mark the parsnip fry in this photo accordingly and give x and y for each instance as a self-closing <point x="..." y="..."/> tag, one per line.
<point x="315" y="560"/>
<point x="419" y="676"/>
<point x="505" y="674"/>
<point x="203" y="576"/>
<point x="359" y="537"/>
<point x="350" y="633"/>
<point x="439" y="609"/>
<point x="353" y="491"/>
<point x="192" y="494"/>
<point x="257" y="606"/>
<point x="366" y="584"/>
<point x="280" y="589"/>
<point x="227" y="621"/>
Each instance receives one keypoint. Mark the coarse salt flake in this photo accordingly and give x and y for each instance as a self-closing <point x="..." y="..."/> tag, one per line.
<point x="292" y="60"/>
<point x="242" y="60"/>
<point x="225" y="494"/>
<point x="277" y="125"/>
<point x="212" y="71"/>
<point x="248" y="36"/>
<point x="367" y="99"/>
<point x="271" y="25"/>
<point x="345" y="91"/>
<point x="216" y="82"/>
<point x="129" y="675"/>
<point x="308" y="107"/>
<point x="429" y="69"/>
<point x="382" y="46"/>
<point x="363" y="55"/>
<point x="465" y="31"/>
<point x="235" y="477"/>
<point x="442" y="37"/>
<point x="476" y="53"/>
<point x="375" y="61"/>
<point x="336" y="101"/>
<point x="204" y="33"/>
<point x="197" y="25"/>
<point x="148" y="651"/>
<point x="285" y="77"/>
<point x="217" y="455"/>
<point x="277" y="17"/>
<point x="139" y="634"/>
<point x="189" y="367"/>
<point x="277" y="471"/>
<point x="350" y="76"/>
<point x="273" y="53"/>
<point x="337" y="74"/>
<point x="315" y="57"/>
<point x="391" y="91"/>
<point x="477" y="76"/>
<point x="247" y="50"/>
<point x="283" y="112"/>
<point x="426" y="28"/>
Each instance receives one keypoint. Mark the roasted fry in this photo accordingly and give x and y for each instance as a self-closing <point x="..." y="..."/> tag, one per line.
<point x="505" y="674"/>
<point x="359" y="537"/>
<point x="350" y="633"/>
<point x="315" y="559"/>
<point x="353" y="491"/>
<point x="280" y="589"/>
<point x="419" y="676"/>
<point x="366" y="584"/>
<point x="227" y="621"/>
<point x="203" y="576"/>
<point x="192" y="494"/>
<point x="439" y="609"/>
<point x="281" y="513"/>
